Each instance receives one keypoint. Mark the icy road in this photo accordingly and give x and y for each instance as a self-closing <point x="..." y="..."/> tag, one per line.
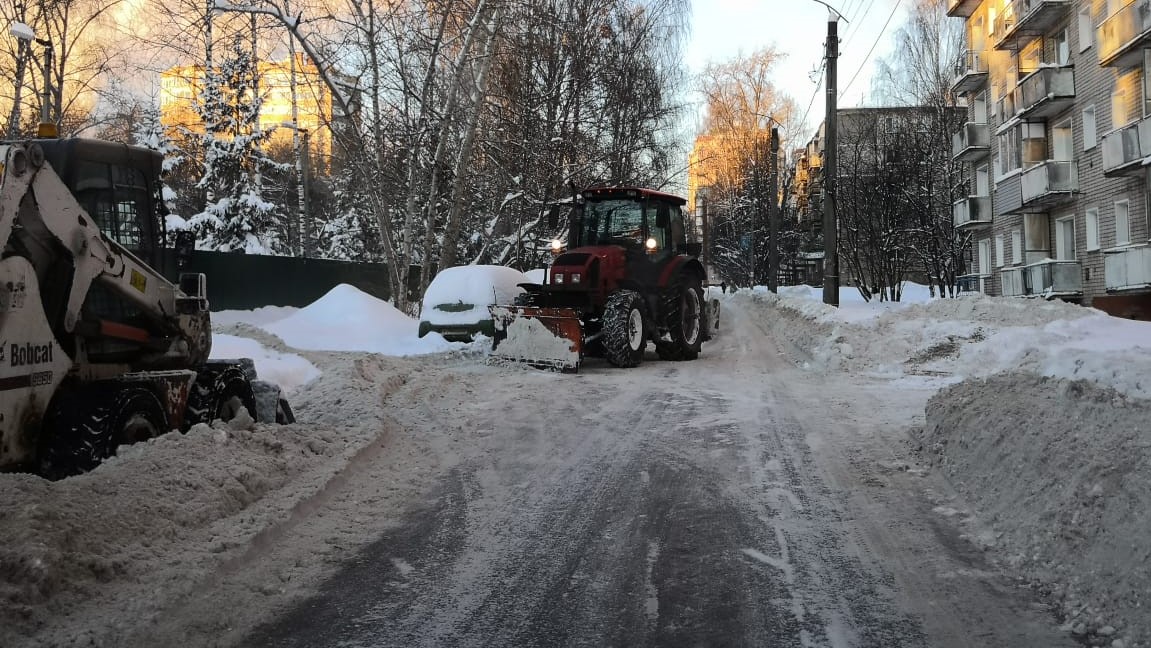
<point x="737" y="500"/>
<point x="731" y="501"/>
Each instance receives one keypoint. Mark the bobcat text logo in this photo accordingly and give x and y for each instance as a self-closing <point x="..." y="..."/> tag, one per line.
<point x="29" y="354"/>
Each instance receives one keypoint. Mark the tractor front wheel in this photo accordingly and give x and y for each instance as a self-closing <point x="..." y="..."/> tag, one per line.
<point x="624" y="332"/>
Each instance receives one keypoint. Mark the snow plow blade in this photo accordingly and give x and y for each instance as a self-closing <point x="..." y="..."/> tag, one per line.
<point x="539" y="336"/>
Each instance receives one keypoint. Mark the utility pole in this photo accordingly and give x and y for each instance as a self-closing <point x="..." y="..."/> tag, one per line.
<point x="773" y="216"/>
<point x="830" y="253"/>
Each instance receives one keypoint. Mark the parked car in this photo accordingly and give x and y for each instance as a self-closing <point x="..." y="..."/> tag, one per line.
<point x="456" y="302"/>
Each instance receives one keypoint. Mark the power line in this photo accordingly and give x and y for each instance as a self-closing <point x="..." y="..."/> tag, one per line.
<point x="878" y="37"/>
<point x="818" y="85"/>
<point x="858" y="24"/>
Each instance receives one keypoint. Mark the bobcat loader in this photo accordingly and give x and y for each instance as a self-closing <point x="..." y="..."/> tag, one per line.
<point x="97" y="348"/>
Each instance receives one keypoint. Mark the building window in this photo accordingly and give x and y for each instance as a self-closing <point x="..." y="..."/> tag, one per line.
<point x="1122" y="222"/>
<point x="1065" y="239"/>
<point x="1017" y="247"/>
<point x="999" y="260"/>
<point x="985" y="257"/>
<point x="1089" y="138"/>
<point x="1125" y="98"/>
<point x="1092" y="220"/>
<point x="1061" y="47"/>
<point x="1086" y="32"/>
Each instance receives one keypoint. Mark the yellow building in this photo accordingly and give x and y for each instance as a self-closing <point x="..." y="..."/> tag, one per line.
<point x="180" y="88"/>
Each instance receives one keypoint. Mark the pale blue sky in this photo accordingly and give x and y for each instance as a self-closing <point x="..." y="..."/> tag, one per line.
<point x="721" y="29"/>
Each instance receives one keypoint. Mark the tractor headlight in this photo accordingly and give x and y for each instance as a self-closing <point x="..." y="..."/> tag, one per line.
<point x="651" y="244"/>
<point x="557" y="245"/>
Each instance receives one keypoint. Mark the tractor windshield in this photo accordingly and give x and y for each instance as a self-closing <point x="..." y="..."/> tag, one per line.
<point x="613" y="222"/>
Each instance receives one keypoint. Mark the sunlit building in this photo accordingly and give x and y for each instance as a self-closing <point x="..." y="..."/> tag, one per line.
<point x="1057" y="146"/>
<point x="180" y="88"/>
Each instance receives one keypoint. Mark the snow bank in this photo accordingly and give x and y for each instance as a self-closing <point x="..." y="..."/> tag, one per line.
<point x="1061" y="470"/>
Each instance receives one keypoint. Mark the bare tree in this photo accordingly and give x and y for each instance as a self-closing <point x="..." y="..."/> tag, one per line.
<point x="921" y="72"/>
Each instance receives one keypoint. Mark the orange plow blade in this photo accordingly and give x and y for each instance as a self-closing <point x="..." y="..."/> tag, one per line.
<point x="543" y="337"/>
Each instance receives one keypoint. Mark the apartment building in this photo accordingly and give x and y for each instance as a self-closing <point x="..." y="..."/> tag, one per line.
<point x="1057" y="147"/>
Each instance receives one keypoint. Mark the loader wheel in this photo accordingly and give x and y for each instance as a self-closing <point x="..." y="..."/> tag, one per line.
<point x="219" y="394"/>
<point x="85" y="429"/>
<point x="624" y="332"/>
<point x="683" y="312"/>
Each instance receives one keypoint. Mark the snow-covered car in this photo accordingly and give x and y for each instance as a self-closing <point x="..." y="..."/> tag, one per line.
<point x="456" y="302"/>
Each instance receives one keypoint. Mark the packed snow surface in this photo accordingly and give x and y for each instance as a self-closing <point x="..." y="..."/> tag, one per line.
<point x="1040" y="420"/>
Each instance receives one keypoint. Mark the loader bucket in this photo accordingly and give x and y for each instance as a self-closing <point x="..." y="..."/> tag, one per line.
<point x="542" y="337"/>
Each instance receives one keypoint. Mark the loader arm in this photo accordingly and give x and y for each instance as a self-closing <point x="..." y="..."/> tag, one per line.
<point x="37" y="204"/>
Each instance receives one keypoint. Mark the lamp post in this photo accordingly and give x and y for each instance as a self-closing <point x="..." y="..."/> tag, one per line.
<point x="21" y="31"/>
<point x="303" y="150"/>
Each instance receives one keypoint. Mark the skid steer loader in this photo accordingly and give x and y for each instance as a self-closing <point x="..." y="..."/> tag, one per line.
<point x="625" y="276"/>
<point x="97" y="347"/>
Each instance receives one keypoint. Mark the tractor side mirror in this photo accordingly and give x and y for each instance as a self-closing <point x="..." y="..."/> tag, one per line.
<point x="553" y="216"/>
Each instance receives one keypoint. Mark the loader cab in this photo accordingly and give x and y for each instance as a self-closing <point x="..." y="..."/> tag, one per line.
<point x="118" y="185"/>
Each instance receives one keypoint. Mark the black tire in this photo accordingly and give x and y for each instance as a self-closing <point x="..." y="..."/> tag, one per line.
<point x="83" y="429"/>
<point x="683" y="316"/>
<point x="284" y="415"/>
<point x="219" y="393"/>
<point x="624" y="330"/>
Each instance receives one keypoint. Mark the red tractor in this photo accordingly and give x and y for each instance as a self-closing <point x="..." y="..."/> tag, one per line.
<point x="626" y="276"/>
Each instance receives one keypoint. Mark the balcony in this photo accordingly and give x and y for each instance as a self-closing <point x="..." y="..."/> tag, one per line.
<point x="1125" y="148"/>
<point x="1028" y="19"/>
<point x="971" y="284"/>
<point x="970" y="72"/>
<point x="1012" y="282"/>
<point x="1049" y="183"/>
<point x="1051" y="278"/>
<point x="972" y="142"/>
<point x="1124" y="34"/>
<point x="962" y="8"/>
<point x="1127" y="269"/>
<point x="971" y="212"/>
<point x="1045" y="92"/>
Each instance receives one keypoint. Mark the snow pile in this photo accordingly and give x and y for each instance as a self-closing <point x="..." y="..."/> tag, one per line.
<point x="1043" y="423"/>
<point x="288" y="370"/>
<point x="348" y="319"/>
<point x="461" y="295"/>
<point x="1061" y="471"/>
<point x="966" y="337"/>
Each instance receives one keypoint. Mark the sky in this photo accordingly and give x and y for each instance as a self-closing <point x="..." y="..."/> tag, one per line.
<point x="723" y="29"/>
<point x="1051" y="338"/>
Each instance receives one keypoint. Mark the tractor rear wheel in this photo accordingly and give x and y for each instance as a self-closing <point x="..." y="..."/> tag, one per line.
<point x="624" y="332"/>
<point x="683" y="313"/>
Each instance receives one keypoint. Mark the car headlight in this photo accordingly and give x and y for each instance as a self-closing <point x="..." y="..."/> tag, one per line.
<point x="576" y="277"/>
<point x="558" y="278"/>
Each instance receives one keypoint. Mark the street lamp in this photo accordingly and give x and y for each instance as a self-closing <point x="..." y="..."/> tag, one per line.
<point x="25" y="33"/>
<point x="302" y="164"/>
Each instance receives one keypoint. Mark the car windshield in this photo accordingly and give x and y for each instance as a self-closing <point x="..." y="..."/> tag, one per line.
<point x="612" y="221"/>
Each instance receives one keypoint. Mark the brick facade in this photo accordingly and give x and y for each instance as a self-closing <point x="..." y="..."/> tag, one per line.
<point x="1017" y="77"/>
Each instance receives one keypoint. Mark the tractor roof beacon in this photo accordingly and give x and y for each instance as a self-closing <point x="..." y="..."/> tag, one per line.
<point x="627" y="275"/>
<point x="98" y="347"/>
